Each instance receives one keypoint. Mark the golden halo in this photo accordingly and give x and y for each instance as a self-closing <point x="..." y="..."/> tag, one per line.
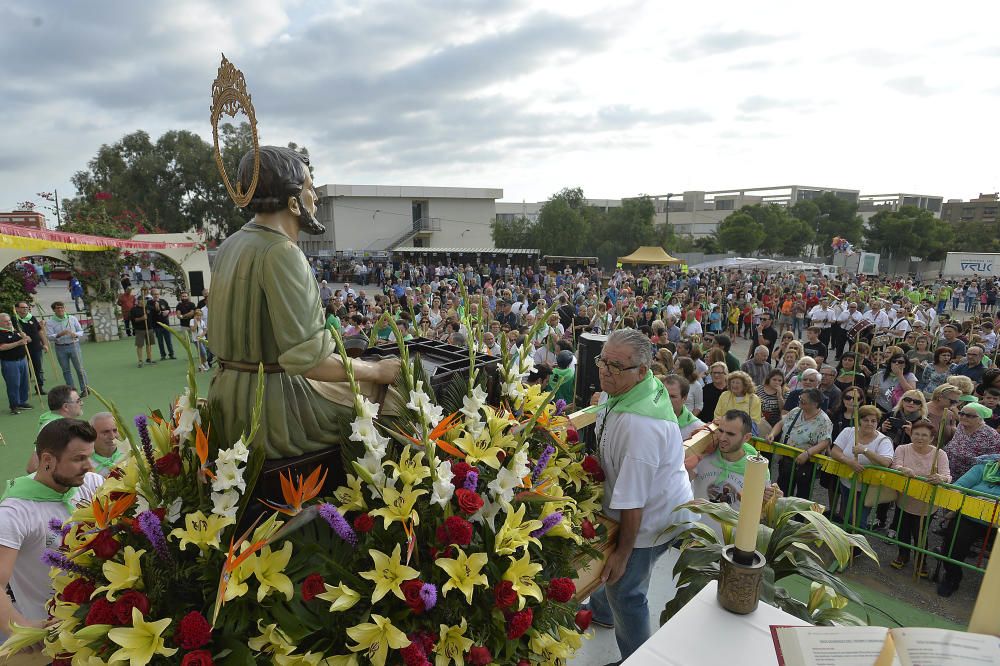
<point x="229" y="97"/>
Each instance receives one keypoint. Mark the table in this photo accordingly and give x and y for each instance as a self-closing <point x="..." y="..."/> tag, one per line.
<point x="704" y="633"/>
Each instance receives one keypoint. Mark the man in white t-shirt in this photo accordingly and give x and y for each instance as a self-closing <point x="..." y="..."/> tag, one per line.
<point x="642" y="455"/>
<point x="64" y="478"/>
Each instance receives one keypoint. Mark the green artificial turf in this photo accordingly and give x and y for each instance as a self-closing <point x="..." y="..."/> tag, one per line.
<point x="111" y="370"/>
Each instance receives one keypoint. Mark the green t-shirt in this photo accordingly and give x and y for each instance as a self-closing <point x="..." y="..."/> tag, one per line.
<point x="334" y="321"/>
<point x="47" y="418"/>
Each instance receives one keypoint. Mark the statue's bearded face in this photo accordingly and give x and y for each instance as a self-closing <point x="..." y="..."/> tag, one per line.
<point x="307" y="209"/>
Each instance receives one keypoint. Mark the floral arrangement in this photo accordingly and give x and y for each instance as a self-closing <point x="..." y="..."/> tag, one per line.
<point x="454" y="539"/>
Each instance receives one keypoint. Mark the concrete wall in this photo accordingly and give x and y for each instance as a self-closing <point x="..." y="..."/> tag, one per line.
<point x="464" y="222"/>
<point x="356" y="229"/>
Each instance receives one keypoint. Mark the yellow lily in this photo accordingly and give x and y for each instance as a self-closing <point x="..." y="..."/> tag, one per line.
<point x="141" y="641"/>
<point x="399" y="505"/>
<point x="389" y="573"/>
<point x="465" y="573"/>
<point x="376" y="637"/>
<point x="203" y="531"/>
<point x="590" y="506"/>
<point x="550" y="649"/>
<point x="411" y="468"/>
<point x="271" y="640"/>
<point x="521" y="574"/>
<point x="350" y="497"/>
<point x="341" y="597"/>
<point x="452" y="644"/>
<point x="479" y="449"/>
<point x="515" y="533"/>
<point x="341" y="660"/>
<point x="122" y="576"/>
<point x="20" y="638"/>
<point x="268" y="568"/>
<point x="307" y="659"/>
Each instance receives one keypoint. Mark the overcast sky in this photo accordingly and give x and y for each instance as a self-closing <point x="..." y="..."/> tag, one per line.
<point x="620" y="98"/>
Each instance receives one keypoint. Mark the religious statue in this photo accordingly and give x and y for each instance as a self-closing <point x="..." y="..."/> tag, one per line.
<point x="265" y="308"/>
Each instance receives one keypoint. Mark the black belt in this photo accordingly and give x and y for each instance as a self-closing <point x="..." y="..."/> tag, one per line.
<point x="241" y="366"/>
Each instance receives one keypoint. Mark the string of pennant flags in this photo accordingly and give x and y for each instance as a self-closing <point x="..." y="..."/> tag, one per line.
<point x="14" y="237"/>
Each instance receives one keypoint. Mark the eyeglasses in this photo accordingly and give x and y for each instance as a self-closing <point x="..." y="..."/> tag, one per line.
<point x="969" y="415"/>
<point x="912" y="401"/>
<point x="899" y="361"/>
<point x="612" y="368"/>
<point x="78" y="401"/>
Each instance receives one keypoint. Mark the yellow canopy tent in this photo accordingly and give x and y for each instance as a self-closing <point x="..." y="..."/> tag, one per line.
<point x="650" y="254"/>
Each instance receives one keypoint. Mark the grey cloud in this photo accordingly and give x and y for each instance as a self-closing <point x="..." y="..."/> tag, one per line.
<point x="724" y="42"/>
<point x="912" y="85"/>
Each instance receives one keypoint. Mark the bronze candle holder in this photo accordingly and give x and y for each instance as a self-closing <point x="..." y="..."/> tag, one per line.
<point x="739" y="584"/>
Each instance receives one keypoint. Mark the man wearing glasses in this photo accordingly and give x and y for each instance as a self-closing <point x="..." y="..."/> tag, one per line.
<point x="973" y="367"/>
<point x="642" y="454"/>
<point x="64" y="403"/>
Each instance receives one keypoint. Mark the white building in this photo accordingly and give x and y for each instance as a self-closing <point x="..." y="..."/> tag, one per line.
<point x="869" y="204"/>
<point x="380" y="217"/>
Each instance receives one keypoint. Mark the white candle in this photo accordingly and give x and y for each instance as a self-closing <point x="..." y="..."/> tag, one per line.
<point x="985" y="619"/>
<point x="751" y="503"/>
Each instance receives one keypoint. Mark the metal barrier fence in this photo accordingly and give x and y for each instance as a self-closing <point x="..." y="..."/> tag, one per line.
<point x="972" y="519"/>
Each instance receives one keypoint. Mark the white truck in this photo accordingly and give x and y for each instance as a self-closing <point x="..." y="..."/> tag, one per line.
<point x="971" y="264"/>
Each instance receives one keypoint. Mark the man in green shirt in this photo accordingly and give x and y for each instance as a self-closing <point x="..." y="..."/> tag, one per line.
<point x="64" y="403"/>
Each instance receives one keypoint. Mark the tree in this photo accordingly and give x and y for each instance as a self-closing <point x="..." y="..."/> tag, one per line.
<point x="174" y="183"/>
<point x="975" y="236"/>
<point x="783" y="232"/>
<point x="909" y="231"/>
<point x="830" y="215"/>
<point x="741" y="232"/>
<point x="563" y="227"/>
<point x="515" y="233"/>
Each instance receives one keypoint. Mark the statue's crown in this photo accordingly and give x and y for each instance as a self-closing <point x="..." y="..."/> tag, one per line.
<point x="229" y="97"/>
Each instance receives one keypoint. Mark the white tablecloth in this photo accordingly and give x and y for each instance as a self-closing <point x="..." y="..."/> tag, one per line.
<point x="703" y="633"/>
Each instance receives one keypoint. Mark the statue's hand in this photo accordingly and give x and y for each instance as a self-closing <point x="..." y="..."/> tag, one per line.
<point x="387" y="370"/>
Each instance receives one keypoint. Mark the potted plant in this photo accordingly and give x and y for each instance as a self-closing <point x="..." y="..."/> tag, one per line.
<point x="795" y="537"/>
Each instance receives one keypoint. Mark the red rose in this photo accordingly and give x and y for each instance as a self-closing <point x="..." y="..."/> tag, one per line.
<point x="468" y="501"/>
<point x="583" y="619"/>
<point x="78" y="591"/>
<point x="519" y="623"/>
<point x="456" y="530"/>
<point x="104" y="545"/>
<point x="587" y="529"/>
<point x="523" y="662"/>
<point x="169" y="465"/>
<point x="460" y="471"/>
<point x="198" y="658"/>
<point x="413" y="654"/>
<point x="311" y="586"/>
<point x="126" y="602"/>
<point x="561" y="589"/>
<point x="101" y="612"/>
<point x="504" y="595"/>
<point x="193" y="631"/>
<point x="572" y="436"/>
<point x="479" y="656"/>
<point x="411" y="592"/>
<point x="592" y="467"/>
<point x="364" y="523"/>
<point x="62" y="661"/>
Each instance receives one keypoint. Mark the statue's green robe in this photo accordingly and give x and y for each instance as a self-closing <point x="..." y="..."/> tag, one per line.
<point x="264" y="306"/>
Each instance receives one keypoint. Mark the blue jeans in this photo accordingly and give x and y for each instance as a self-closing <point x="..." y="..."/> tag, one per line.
<point x="70" y="355"/>
<point x="624" y="603"/>
<point x="15" y="376"/>
<point x="164" y="337"/>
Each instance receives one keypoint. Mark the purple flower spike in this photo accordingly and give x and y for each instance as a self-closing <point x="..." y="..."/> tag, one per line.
<point x="548" y="523"/>
<point x="151" y="526"/>
<point x="55" y="559"/>
<point x="338" y="524"/>
<point x="142" y="425"/>
<point x="59" y="527"/>
<point x="543" y="461"/>
<point x="471" y="480"/>
<point x="560" y="406"/>
<point x="429" y="595"/>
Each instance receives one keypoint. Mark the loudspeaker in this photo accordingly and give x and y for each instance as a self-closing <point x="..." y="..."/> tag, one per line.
<point x="587" y="381"/>
<point x="196" y="282"/>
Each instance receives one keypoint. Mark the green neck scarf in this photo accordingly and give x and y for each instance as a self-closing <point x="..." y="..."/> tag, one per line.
<point x="991" y="473"/>
<point x="23" y="320"/>
<point x="105" y="462"/>
<point x="685" y="418"/>
<point x="647" y="398"/>
<point x="27" y="488"/>
<point x="61" y="320"/>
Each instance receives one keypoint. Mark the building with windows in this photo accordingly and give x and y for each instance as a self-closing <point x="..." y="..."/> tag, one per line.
<point x="379" y="218"/>
<point x="698" y="213"/>
<point x="24" y="218"/>
<point x="981" y="209"/>
<point x="869" y="204"/>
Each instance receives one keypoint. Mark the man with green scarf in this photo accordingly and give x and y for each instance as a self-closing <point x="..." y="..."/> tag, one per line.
<point x="678" y="388"/>
<point x="64" y="478"/>
<point x="983" y="477"/>
<point x="642" y="454"/>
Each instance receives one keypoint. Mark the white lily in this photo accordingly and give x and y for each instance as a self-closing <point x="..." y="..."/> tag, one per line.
<point x="186" y="416"/>
<point x="225" y="504"/>
<point x="471" y="405"/>
<point x="237" y="453"/>
<point x="443" y="488"/>
<point x="365" y="408"/>
<point x="227" y="477"/>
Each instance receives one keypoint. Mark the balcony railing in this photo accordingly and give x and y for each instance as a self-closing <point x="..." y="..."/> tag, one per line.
<point x="427" y="224"/>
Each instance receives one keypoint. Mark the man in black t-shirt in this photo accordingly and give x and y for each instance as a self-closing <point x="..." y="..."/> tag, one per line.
<point x="766" y="335"/>
<point x="143" y="334"/>
<point x="158" y="312"/>
<point x="33" y="328"/>
<point x="185" y="310"/>
<point x="14" y="364"/>
<point x="813" y="346"/>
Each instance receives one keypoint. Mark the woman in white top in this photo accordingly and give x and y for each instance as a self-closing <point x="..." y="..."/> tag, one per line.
<point x="866" y="447"/>
<point x="199" y="335"/>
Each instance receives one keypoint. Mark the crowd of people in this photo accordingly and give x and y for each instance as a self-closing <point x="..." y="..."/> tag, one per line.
<point x="869" y="370"/>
